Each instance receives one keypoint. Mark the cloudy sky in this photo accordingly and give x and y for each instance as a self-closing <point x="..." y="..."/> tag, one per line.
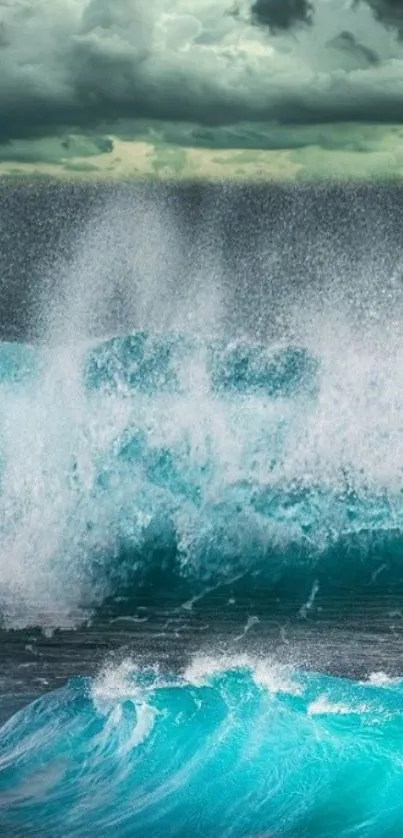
<point x="192" y="88"/>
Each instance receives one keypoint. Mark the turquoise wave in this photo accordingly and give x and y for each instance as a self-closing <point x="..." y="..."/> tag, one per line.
<point x="153" y="465"/>
<point x="234" y="748"/>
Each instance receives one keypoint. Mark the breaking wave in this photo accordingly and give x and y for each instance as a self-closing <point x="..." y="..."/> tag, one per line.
<point x="230" y="747"/>
<point x="153" y="465"/>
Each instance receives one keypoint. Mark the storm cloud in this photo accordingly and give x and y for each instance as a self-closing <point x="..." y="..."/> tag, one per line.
<point x="282" y="14"/>
<point x="347" y="43"/>
<point x="388" y="12"/>
<point x="91" y="65"/>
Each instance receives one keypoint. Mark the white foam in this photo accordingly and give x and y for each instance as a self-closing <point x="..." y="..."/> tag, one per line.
<point x="382" y="679"/>
<point x="115" y="686"/>
<point x="323" y="706"/>
<point x="116" y="683"/>
<point x="273" y="677"/>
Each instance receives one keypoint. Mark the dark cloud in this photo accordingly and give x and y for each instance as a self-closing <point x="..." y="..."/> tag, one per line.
<point x="347" y="43"/>
<point x="255" y="136"/>
<point x="89" y="65"/>
<point x="282" y="14"/>
<point x="388" y="12"/>
<point x="55" y="150"/>
<point x="99" y="145"/>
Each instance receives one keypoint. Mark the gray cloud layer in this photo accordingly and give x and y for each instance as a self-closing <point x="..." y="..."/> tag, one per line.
<point x="85" y="65"/>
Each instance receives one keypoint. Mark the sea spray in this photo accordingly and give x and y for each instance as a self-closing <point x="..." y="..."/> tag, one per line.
<point x="167" y="465"/>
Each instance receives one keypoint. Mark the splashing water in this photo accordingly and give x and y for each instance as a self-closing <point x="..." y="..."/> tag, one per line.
<point x="161" y="443"/>
<point x="180" y="457"/>
<point x="180" y="464"/>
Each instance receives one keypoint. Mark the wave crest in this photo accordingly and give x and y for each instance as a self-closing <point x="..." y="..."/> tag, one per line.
<point x="231" y="746"/>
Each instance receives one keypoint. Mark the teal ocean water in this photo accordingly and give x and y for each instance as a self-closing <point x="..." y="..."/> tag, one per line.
<point x="237" y="748"/>
<point x="163" y="468"/>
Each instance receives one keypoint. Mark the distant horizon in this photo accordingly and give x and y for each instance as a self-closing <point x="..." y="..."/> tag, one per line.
<point x="136" y="161"/>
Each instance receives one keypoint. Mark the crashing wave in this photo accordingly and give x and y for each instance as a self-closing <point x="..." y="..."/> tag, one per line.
<point x="151" y="465"/>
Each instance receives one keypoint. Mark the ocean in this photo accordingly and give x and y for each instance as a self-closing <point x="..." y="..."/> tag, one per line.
<point x="201" y="517"/>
